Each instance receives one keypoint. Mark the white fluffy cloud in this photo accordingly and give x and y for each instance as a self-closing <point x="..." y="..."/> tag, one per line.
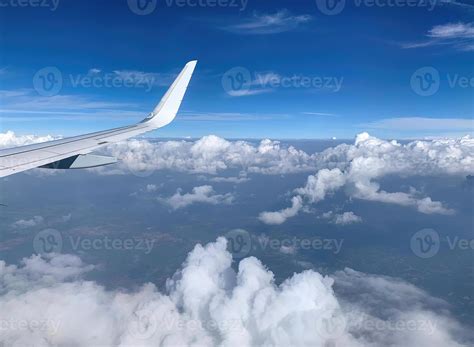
<point x="344" y="218"/>
<point x="357" y="167"/>
<point x="207" y="303"/>
<point x="10" y="139"/>
<point x="201" y="194"/>
<point x="347" y="218"/>
<point x="281" y="216"/>
<point x="211" y="154"/>
<point x="28" y="223"/>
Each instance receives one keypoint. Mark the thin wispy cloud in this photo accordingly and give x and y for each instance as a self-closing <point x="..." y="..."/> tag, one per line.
<point x="26" y="105"/>
<point x="423" y="123"/>
<point x="265" y="24"/>
<point x="457" y="35"/>
<point x="457" y="3"/>
<point x="320" y="114"/>
<point x="158" y="79"/>
<point x="227" y="116"/>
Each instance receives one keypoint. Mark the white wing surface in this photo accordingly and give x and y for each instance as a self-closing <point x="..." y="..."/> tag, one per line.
<point x="73" y="152"/>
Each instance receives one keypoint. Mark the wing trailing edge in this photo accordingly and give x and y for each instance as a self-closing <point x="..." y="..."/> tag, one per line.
<point x="73" y="152"/>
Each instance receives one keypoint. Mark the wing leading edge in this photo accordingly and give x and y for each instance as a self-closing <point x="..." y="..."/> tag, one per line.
<point x="73" y="152"/>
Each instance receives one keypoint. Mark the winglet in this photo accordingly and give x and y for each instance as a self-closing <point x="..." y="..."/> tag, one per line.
<point x="166" y="110"/>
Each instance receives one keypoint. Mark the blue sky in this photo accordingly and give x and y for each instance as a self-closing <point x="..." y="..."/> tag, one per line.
<point x="306" y="74"/>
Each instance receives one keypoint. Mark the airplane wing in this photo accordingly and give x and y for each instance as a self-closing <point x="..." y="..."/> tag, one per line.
<point x="73" y="152"/>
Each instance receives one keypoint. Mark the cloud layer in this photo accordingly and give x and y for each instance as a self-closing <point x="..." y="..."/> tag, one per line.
<point x="201" y="194"/>
<point x="356" y="168"/>
<point x="207" y="303"/>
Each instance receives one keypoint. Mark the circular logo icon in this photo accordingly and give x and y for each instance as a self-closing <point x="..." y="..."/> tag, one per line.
<point x="237" y="81"/>
<point x="144" y="326"/>
<point x="332" y="327"/>
<point x="141" y="170"/>
<point x="239" y="243"/>
<point x="425" y="81"/>
<point x="425" y="243"/>
<point x="142" y="7"/>
<point x="48" y="81"/>
<point x="331" y="7"/>
<point x="48" y="241"/>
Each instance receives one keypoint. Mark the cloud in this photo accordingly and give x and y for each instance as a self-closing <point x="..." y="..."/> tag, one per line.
<point x="94" y="71"/>
<point x="320" y="114"/>
<point x="355" y="167"/>
<point x="456" y="3"/>
<point x="347" y="218"/>
<point x="208" y="303"/>
<point x="141" y="77"/>
<point x="422" y="123"/>
<point x="358" y="167"/>
<point x="25" y="105"/>
<point x="249" y="92"/>
<point x="344" y="218"/>
<point x="40" y="221"/>
<point x="227" y="116"/>
<point x="458" y="35"/>
<point x="10" y="139"/>
<point x="210" y="155"/>
<point x="242" y="178"/>
<point x="281" y="216"/>
<point x="264" y="24"/>
<point x="452" y="31"/>
<point x="201" y="194"/>
<point x="150" y="188"/>
<point x="28" y="223"/>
